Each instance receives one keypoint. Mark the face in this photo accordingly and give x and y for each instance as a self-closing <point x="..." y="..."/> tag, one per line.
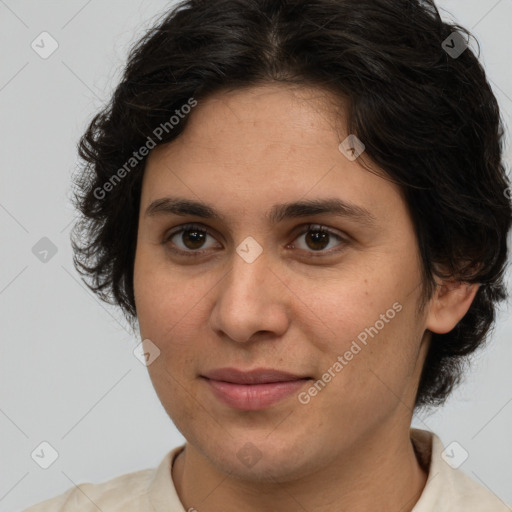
<point x="327" y="292"/>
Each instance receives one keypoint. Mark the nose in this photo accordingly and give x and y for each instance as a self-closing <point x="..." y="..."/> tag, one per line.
<point x="251" y="301"/>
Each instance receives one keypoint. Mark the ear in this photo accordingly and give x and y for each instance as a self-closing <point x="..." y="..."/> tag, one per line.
<point x="450" y="303"/>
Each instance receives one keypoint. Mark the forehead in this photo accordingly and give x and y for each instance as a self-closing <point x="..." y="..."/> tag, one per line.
<point x="263" y="146"/>
<point x="271" y="104"/>
<point x="237" y="123"/>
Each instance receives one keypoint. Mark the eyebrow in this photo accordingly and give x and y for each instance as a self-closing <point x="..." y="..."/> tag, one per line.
<point x="278" y="212"/>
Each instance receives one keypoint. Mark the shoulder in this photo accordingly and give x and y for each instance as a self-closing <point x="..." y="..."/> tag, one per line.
<point x="448" y="488"/>
<point x="127" y="493"/>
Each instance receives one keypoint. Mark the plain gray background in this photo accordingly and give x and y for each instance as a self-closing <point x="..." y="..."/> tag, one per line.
<point x="68" y="374"/>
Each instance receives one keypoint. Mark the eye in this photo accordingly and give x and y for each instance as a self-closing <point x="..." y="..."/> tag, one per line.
<point x="318" y="238"/>
<point x="192" y="239"/>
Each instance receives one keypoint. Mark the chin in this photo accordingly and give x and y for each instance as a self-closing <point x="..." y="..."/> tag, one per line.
<point x="261" y="460"/>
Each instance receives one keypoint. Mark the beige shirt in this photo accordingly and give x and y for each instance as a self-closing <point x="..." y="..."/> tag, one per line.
<point x="152" y="490"/>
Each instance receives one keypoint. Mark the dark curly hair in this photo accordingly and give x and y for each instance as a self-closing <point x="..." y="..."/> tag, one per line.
<point x="428" y="119"/>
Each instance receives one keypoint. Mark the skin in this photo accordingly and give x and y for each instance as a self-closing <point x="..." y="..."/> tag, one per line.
<point x="294" y="309"/>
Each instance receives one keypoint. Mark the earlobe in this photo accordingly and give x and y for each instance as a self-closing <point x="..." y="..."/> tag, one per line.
<point x="450" y="303"/>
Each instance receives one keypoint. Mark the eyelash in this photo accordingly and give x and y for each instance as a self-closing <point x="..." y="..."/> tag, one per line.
<point x="310" y="227"/>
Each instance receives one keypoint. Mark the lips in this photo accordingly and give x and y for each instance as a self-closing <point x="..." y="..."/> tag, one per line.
<point x="252" y="390"/>
<point x="257" y="376"/>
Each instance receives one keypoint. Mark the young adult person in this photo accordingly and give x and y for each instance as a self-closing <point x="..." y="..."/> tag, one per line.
<point x="301" y="206"/>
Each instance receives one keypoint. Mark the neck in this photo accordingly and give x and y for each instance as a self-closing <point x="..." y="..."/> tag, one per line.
<point x="382" y="469"/>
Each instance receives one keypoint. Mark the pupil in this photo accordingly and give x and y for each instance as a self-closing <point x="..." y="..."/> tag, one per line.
<point x="197" y="238"/>
<point x="318" y="237"/>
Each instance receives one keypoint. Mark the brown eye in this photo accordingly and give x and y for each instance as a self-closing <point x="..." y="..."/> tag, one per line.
<point x="189" y="239"/>
<point x="317" y="238"/>
<point x="193" y="238"/>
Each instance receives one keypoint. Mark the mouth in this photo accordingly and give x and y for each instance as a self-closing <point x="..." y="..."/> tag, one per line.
<point x="255" y="389"/>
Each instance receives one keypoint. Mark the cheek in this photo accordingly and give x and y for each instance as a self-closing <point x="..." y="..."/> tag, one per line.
<point x="367" y="332"/>
<point x="172" y="309"/>
<point x="169" y="314"/>
<point x="166" y="298"/>
<point x="336" y="308"/>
